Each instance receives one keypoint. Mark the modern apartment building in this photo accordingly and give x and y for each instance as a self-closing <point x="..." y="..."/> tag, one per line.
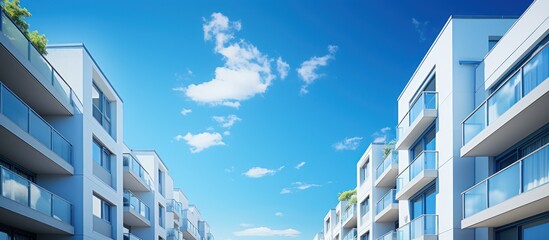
<point x="65" y="172"/>
<point x="471" y="158"/>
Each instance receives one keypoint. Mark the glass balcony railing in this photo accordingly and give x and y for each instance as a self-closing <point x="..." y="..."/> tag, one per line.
<point x="388" y="199"/>
<point x="136" y="204"/>
<point x="27" y="119"/>
<point x="392" y="158"/>
<point x="422" y="226"/>
<point x="427" y="160"/>
<point x="349" y="212"/>
<point x="351" y="235"/>
<point x="129" y="236"/>
<point x="27" y="193"/>
<point x="175" y="234"/>
<point x="530" y="75"/>
<point x="524" y="175"/>
<point x="427" y="100"/>
<point x="135" y="167"/>
<point x="23" y="45"/>
<point x="392" y="235"/>
<point x="174" y="206"/>
<point x="190" y="228"/>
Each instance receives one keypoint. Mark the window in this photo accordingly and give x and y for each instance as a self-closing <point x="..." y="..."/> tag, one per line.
<point x="101" y="108"/>
<point x="365" y="206"/>
<point x="160" y="215"/>
<point x="101" y="209"/>
<point x="101" y="155"/>
<point x="160" y="181"/>
<point x="425" y="142"/>
<point x="535" y="228"/>
<point x="364" y="170"/>
<point x="424" y="203"/>
<point x="492" y="41"/>
<point x="328" y="224"/>
<point x="365" y="236"/>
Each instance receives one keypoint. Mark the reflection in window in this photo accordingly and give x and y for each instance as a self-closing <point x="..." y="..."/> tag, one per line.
<point x="101" y="108"/>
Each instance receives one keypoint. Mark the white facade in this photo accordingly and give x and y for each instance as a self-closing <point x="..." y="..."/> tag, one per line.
<point x="66" y="172"/>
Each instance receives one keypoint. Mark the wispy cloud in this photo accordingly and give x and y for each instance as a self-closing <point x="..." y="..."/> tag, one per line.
<point x="201" y="141"/>
<point x="308" y="69"/>
<point x="282" y="68"/>
<point x="381" y="135"/>
<point x="349" y="143"/>
<point x="229" y="169"/>
<point x="420" y="28"/>
<point x="186" y="111"/>
<point x="245" y="73"/>
<point x="228" y="121"/>
<point x="258" y="172"/>
<point x="285" y="191"/>
<point x="301" y="164"/>
<point x="279" y="214"/>
<point x="267" y="232"/>
<point x="298" y="186"/>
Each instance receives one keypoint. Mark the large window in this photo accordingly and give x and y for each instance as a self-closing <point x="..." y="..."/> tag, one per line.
<point x="160" y="181"/>
<point x="426" y="142"/>
<point x="101" y="108"/>
<point x="161" y="217"/>
<point x="424" y="203"/>
<point x="101" y="155"/>
<point x="365" y="206"/>
<point x="365" y="236"/>
<point x="101" y="208"/>
<point x="531" y="229"/>
<point x="364" y="169"/>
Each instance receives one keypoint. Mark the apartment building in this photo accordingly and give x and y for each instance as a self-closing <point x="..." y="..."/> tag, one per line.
<point x="64" y="168"/>
<point x="471" y="158"/>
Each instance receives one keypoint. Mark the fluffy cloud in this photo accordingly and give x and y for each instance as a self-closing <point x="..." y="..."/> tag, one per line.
<point x="348" y="144"/>
<point x="245" y="73"/>
<point x="186" y="111"/>
<point x="285" y="191"/>
<point x="228" y="121"/>
<point x="381" y="135"/>
<point x="267" y="232"/>
<point x="282" y="68"/>
<point x="298" y="166"/>
<point x="308" y="69"/>
<point x="279" y="214"/>
<point x="258" y="172"/>
<point x="201" y="141"/>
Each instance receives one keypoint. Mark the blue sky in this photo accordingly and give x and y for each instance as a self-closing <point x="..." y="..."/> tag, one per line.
<point x="234" y="95"/>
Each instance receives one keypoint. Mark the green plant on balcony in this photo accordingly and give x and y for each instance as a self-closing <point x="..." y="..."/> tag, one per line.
<point x="389" y="147"/>
<point x="349" y="195"/>
<point x="18" y="15"/>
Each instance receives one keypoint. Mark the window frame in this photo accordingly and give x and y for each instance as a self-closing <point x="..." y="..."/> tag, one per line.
<point x="106" y="155"/>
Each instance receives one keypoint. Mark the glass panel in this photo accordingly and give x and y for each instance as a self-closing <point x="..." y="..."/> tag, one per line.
<point x="96" y="152"/>
<point x="403" y="233"/>
<point x="503" y="185"/>
<point x="4" y="235"/>
<point x="505" y="97"/>
<point x="14" y="35"/>
<point x="97" y="206"/>
<point x="475" y="200"/>
<point x="536" y="231"/>
<point x="40" y="200"/>
<point x="417" y="207"/>
<point x="14" y="109"/>
<point x="535" y="169"/>
<point x="430" y="100"/>
<point x="417" y="227"/>
<point x="15" y="187"/>
<point x="474" y="124"/>
<point x="96" y="97"/>
<point x="430" y="201"/>
<point x="61" y="86"/>
<point x="536" y="71"/>
<point x="61" y="147"/>
<point x="41" y="65"/>
<point x="416" y="108"/>
<point x="507" y="234"/>
<point x="40" y="129"/>
<point x="430" y="225"/>
<point x="62" y="210"/>
<point x="430" y="140"/>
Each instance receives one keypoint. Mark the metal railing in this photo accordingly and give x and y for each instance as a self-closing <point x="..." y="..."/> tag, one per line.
<point x="351" y="235"/>
<point x="190" y="228"/>
<point x="386" y="200"/>
<point x="29" y="121"/>
<point x="422" y="226"/>
<point x="349" y="212"/>
<point x="134" y="166"/>
<point x="390" y="159"/>
<point x="426" y="160"/>
<point x="427" y="100"/>
<point x="174" y="206"/>
<point x="175" y="234"/>
<point x="136" y="204"/>
<point x="528" y="76"/>
<point x="392" y="235"/>
<point x="29" y="194"/>
<point x="524" y="175"/>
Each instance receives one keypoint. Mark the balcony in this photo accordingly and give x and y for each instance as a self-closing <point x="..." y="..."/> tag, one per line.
<point x="512" y="112"/>
<point x="422" y="113"/>
<point x="136" y="178"/>
<point x="30" y="75"/>
<point x="189" y="231"/>
<point x="417" y="175"/>
<point x="392" y="235"/>
<point x="129" y="236"/>
<point x="174" y="207"/>
<point x="351" y="235"/>
<point x="136" y="213"/>
<point x="30" y="207"/>
<point x="387" y="170"/>
<point x="174" y="234"/>
<point x="349" y="216"/>
<point x="365" y="219"/>
<point x="517" y="192"/>
<point x="29" y="140"/>
<point x="387" y="208"/>
<point x="424" y="227"/>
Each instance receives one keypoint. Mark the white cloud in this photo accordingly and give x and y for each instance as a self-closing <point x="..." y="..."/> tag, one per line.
<point x="245" y="73"/>
<point x="267" y="232"/>
<point x="226" y="133"/>
<point x="307" y="70"/>
<point x="282" y="68"/>
<point x="186" y="111"/>
<point x="246" y="225"/>
<point x="279" y="214"/>
<point x="301" y="164"/>
<point x="350" y="143"/>
<point x="228" y="121"/>
<point x="201" y="141"/>
<point x="381" y="135"/>
<point x="304" y="186"/>
<point x="285" y="191"/>
<point x="258" y="172"/>
<point x="420" y="28"/>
